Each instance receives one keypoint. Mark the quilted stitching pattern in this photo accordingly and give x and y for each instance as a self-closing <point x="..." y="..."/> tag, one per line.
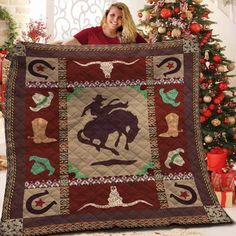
<point x="119" y="150"/>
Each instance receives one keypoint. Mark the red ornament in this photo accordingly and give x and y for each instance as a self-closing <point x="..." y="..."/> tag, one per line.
<point x="212" y="67"/>
<point x="176" y="10"/>
<point x="222" y="86"/>
<point x="169" y="33"/>
<point x="206" y="38"/>
<point x="183" y="16"/>
<point x="221" y="96"/>
<point x="202" y="119"/>
<point x="207" y="113"/>
<point x="191" y="8"/>
<point x="219" y="110"/>
<point x="195" y="28"/>
<point x="165" y="13"/>
<point x="217" y="101"/>
<point x="212" y="107"/>
<point x="216" y="58"/>
<point x="226" y="120"/>
<point x="202" y="61"/>
<point x="205" y="14"/>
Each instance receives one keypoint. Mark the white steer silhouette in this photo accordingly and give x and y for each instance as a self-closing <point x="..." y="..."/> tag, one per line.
<point x="106" y="66"/>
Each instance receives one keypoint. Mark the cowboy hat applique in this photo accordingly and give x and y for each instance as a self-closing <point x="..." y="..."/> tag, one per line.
<point x="41" y="101"/>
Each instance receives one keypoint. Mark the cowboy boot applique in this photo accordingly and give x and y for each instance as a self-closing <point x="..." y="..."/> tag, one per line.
<point x="172" y="120"/>
<point x="39" y="126"/>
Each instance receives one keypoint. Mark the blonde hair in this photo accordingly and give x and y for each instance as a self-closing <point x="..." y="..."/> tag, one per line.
<point x="128" y="32"/>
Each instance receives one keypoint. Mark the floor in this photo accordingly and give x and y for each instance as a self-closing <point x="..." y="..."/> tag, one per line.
<point x="220" y="230"/>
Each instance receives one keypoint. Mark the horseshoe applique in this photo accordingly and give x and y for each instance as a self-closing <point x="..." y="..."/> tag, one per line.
<point x="185" y="202"/>
<point x="33" y="72"/>
<point x="176" y="69"/>
<point x="38" y="211"/>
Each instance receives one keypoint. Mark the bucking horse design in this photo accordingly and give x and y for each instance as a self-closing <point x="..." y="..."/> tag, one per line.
<point x="108" y="119"/>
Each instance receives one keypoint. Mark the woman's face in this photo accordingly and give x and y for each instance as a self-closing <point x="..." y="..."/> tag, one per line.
<point x="114" y="18"/>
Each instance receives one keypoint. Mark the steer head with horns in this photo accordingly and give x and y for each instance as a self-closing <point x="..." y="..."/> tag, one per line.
<point x="106" y="66"/>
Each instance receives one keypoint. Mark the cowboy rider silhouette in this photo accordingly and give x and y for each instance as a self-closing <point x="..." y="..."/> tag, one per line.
<point x="97" y="109"/>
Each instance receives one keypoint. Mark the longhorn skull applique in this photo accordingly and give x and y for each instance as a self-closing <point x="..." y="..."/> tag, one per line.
<point x="106" y="66"/>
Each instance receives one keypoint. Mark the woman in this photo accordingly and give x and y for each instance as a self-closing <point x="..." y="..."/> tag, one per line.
<point x="117" y="26"/>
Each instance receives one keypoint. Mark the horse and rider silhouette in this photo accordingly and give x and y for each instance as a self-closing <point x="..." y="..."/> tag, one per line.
<point x="108" y="119"/>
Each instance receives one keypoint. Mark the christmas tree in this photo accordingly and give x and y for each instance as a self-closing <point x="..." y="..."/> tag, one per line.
<point x="162" y="20"/>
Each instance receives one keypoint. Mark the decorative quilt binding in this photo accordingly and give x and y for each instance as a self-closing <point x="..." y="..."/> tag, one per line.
<point x="105" y="136"/>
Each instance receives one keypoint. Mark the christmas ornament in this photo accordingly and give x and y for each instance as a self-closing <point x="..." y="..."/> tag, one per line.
<point x="217" y="46"/>
<point x="176" y="33"/>
<point x="165" y="13"/>
<point x="161" y="30"/>
<point x="208" y="139"/>
<point x="216" y="122"/>
<point x="216" y="58"/>
<point x="205" y="14"/>
<point x="216" y="101"/>
<point x="207" y="98"/>
<point x="221" y="96"/>
<point x="231" y="120"/>
<point x="202" y="119"/>
<point x="202" y="61"/>
<point x="189" y="15"/>
<point x="211" y="107"/>
<point x="176" y="10"/>
<point x="207" y="113"/>
<point x="195" y="28"/>
<point x="206" y="38"/>
<point x="183" y="16"/>
<point x="221" y="68"/>
<point x="231" y="66"/>
<point x="222" y="86"/>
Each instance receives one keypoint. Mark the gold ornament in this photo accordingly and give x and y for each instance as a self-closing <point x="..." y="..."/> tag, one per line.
<point x="231" y="66"/>
<point x="207" y="98"/>
<point x="231" y="120"/>
<point x="217" y="46"/>
<point x="189" y="15"/>
<point x="208" y="139"/>
<point x="216" y="122"/>
<point x="161" y="30"/>
<point x="176" y="33"/>
<point x="221" y="68"/>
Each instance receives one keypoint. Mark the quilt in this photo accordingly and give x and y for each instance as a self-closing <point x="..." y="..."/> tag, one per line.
<point x="102" y="137"/>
